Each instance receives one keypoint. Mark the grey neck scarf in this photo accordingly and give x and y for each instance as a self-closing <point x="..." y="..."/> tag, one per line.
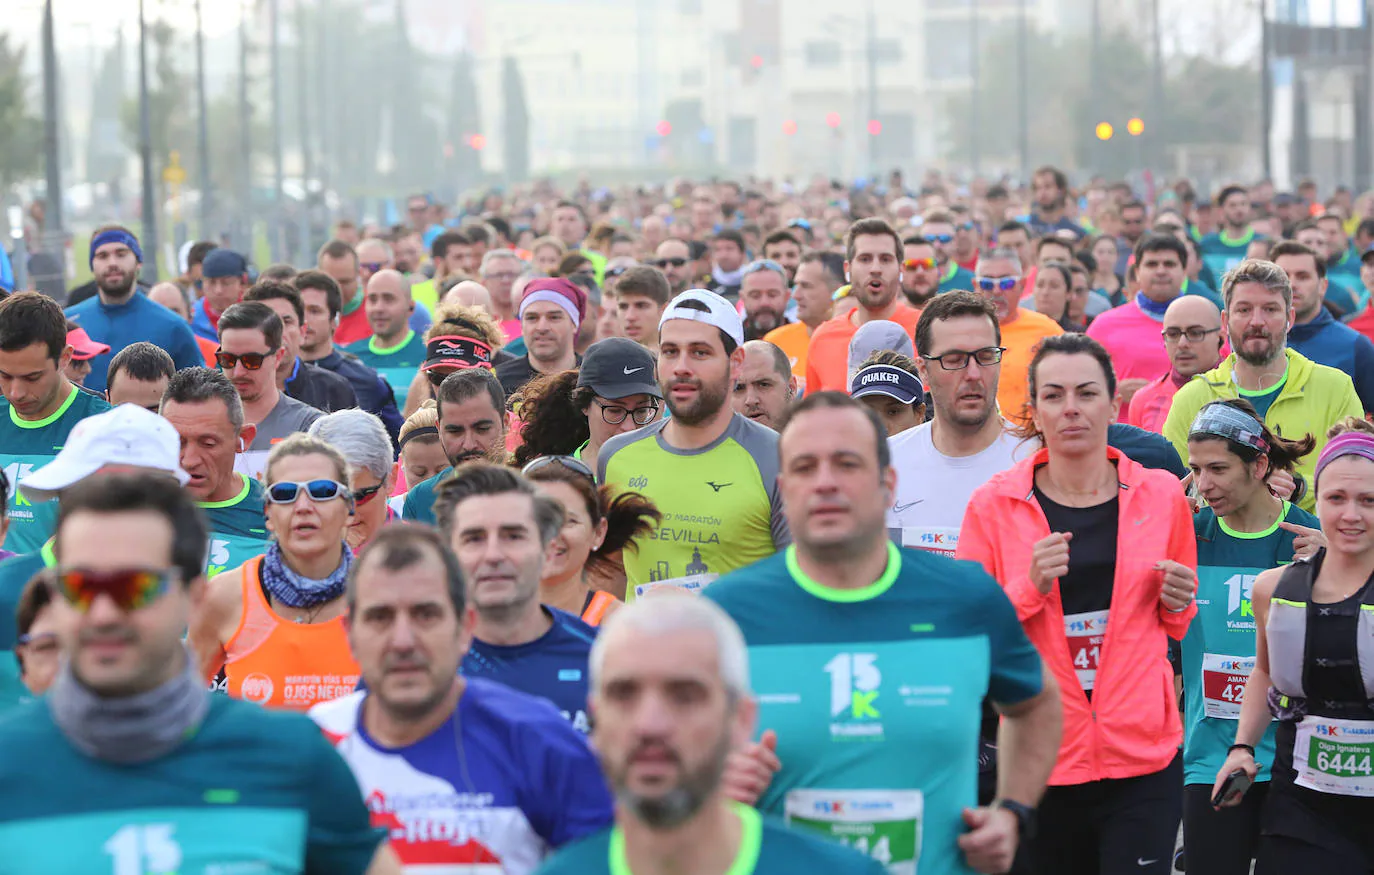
<point x="129" y="729"/>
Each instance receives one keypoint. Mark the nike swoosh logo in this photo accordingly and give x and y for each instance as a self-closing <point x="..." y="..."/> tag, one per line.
<point x="1140" y="862"/>
<point x="629" y="371"/>
<point x="903" y="508"/>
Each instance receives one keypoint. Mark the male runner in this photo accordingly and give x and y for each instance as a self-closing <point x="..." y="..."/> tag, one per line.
<point x="871" y="664"/>
<point x="40" y="407"/>
<point x="711" y="471"/>
<point x="472" y="425"/>
<point x="671" y="696"/>
<point x="766" y="386"/>
<point x="1226" y="248"/>
<point x="205" y="409"/>
<point x="1193" y="340"/>
<point x="395" y="350"/>
<point x="323" y="390"/>
<point x="464" y="774"/>
<point x="499" y="527"/>
<point x="817" y="278"/>
<point x="145" y="770"/>
<point x="640" y="296"/>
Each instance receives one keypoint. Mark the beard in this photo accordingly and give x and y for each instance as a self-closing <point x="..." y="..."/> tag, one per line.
<point x="118" y="286"/>
<point x="1273" y="350"/>
<point x="676" y="806"/>
<point x="762" y="321"/>
<point x="919" y="297"/>
<point x="709" y="401"/>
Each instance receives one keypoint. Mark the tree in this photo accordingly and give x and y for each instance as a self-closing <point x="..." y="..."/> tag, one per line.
<point x="516" y="139"/>
<point x="171" y="118"/>
<point x="21" y="128"/>
<point x="463" y="166"/>
<point x="106" y="153"/>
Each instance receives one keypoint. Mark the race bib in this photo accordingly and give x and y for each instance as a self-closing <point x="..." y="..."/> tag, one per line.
<point x="932" y="539"/>
<point x="1085" y="633"/>
<point x="692" y="583"/>
<point x="1335" y="756"/>
<point x="884" y="824"/>
<point x="1223" y="684"/>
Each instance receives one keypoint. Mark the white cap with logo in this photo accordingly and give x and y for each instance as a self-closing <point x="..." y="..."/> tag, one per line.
<point x="128" y="436"/>
<point x="719" y="312"/>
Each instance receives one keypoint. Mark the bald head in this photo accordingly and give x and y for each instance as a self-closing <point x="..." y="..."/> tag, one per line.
<point x="1193" y="313"/>
<point x="470" y="294"/>
<point x="172" y="297"/>
<point x="389" y="280"/>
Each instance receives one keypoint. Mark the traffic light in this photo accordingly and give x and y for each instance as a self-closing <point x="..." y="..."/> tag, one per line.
<point x="789" y="128"/>
<point x="477" y="142"/>
<point x="756" y="62"/>
<point x="832" y="119"/>
<point x="1105" y="131"/>
<point x="875" y="127"/>
<point x="1135" y="127"/>
<point x="664" y="128"/>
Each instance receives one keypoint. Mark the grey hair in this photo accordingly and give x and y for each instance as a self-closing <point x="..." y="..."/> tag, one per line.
<point x="360" y="436"/>
<point x="1001" y="253"/>
<point x="1256" y="270"/>
<point x="666" y="612"/>
<point x="198" y="385"/>
<point x="497" y="254"/>
<point x="377" y="241"/>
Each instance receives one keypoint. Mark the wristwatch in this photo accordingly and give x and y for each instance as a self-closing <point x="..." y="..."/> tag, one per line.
<point x="1025" y="817"/>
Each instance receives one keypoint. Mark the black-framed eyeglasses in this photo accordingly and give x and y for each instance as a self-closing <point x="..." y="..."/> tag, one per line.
<point x="572" y="463"/>
<point x="1193" y="334"/>
<point x="957" y="359"/>
<point x="614" y="414"/>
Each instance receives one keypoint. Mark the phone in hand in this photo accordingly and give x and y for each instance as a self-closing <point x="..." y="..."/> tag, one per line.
<point x="1233" y="787"/>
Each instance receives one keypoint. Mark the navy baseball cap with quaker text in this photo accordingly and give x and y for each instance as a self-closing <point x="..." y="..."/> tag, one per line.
<point x="887" y="380"/>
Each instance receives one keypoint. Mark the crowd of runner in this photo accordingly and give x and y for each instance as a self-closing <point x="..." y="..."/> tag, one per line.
<point x="703" y="529"/>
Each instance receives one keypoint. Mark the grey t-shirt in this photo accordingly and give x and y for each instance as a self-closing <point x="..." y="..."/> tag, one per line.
<point x="288" y="417"/>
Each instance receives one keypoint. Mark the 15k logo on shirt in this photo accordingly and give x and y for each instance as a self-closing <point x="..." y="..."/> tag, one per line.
<point x="1238" y="593"/>
<point x="854" y="686"/>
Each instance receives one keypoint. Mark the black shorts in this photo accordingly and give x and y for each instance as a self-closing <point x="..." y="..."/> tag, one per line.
<point x="1124" y="826"/>
<point x="1221" y="842"/>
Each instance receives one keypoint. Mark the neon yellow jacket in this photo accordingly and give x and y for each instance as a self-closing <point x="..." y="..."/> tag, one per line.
<point x="1313" y="398"/>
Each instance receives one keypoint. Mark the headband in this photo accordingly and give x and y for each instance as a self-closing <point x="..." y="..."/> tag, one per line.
<point x="456" y="351"/>
<point x="116" y="235"/>
<point x="1224" y="421"/>
<point x="1350" y="443"/>
<point x="549" y="296"/>
<point x="422" y="431"/>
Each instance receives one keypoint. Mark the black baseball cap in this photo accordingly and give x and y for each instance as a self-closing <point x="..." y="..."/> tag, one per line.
<point x="617" y="367"/>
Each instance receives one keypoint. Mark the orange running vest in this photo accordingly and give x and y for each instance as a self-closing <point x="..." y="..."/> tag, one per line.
<point x="281" y="664"/>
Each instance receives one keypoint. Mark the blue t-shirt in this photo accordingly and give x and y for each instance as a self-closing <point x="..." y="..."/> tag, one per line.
<point x="876" y="696"/>
<point x="1219" y="650"/>
<point x="552" y="666"/>
<point x="123" y="324"/>
<point x="251" y="790"/>
<point x="765" y="848"/>
<point x="501" y="785"/>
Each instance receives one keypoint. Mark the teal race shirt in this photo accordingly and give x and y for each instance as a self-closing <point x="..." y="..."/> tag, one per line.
<point x="419" y="500"/>
<point x="397" y="365"/>
<point x="238" y="528"/>
<point x="27" y="446"/>
<point x="1219" y="649"/>
<point x="251" y="790"/>
<point x="1221" y="253"/>
<point x="876" y="697"/>
<point x="766" y="848"/>
<point x="15" y="573"/>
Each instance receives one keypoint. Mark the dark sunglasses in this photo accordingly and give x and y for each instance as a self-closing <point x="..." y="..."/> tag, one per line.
<point x="372" y="266"/>
<point x="573" y="464"/>
<point x="613" y="272"/>
<point x="252" y="361"/>
<point x="665" y="262"/>
<point x="129" y="588"/>
<point x="366" y="494"/>
<point x="287" y="491"/>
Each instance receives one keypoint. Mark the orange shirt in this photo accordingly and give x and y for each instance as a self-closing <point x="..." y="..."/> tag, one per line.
<point x="827" y="358"/>
<point x="281" y="664"/>
<point x="208" y="348"/>
<point x="1021" y="338"/>
<point x="793" y="339"/>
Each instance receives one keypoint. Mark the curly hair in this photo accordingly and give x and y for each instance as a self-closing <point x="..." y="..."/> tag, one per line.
<point x="474" y="322"/>
<point x="553" y="410"/>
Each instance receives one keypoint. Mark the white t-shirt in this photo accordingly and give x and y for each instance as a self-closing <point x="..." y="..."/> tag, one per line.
<point x="933" y="489"/>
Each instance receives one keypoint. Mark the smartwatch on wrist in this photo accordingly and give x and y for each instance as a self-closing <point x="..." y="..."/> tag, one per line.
<point x="1025" y="817"/>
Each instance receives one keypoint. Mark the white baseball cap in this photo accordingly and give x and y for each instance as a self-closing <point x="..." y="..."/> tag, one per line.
<point x="129" y="435"/>
<point x="719" y="312"/>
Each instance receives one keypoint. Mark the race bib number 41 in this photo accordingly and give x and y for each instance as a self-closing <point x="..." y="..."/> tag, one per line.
<point x="884" y="824"/>
<point x="1085" y="633"/>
